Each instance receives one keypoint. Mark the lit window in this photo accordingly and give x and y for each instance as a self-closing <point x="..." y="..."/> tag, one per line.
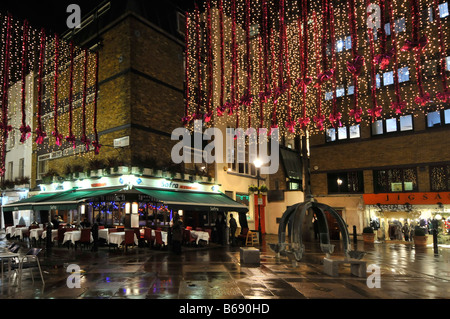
<point x="403" y="74"/>
<point x="447" y="116"/>
<point x="387" y="28"/>
<point x="342" y="133"/>
<point x="340" y="91"/>
<point x="355" y="131"/>
<point x="406" y="123"/>
<point x="350" y="90"/>
<point x="377" y="127"/>
<point x="443" y="10"/>
<point x="328" y="96"/>
<point x="348" y="42"/>
<point x="434" y="119"/>
<point x="331" y="135"/>
<point x="339" y="45"/>
<point x="378" y="80"/>
<point x="400" y="25"/>
<point x="388" y="78"/>
<point x="448" y="63"/>
<point x="391" y="125"/>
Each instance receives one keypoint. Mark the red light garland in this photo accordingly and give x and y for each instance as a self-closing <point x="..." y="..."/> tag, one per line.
<point x="96" y="143"/>
<point x="40" y="134"/>
<point x="25" y="129"/>
<point x="55" y="132"/>
<point x="443" y="96"/>
<point x="84" y="138"/>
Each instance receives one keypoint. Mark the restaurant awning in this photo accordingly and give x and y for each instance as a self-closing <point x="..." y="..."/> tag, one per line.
<point x="197" y="201"/>
<point x="56" y="200"/>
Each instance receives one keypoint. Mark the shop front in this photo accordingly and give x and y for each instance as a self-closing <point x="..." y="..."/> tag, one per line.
<point x="395" y="215"/>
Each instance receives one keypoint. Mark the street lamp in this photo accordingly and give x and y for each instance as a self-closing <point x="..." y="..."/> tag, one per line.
<point x="258" y="163"/>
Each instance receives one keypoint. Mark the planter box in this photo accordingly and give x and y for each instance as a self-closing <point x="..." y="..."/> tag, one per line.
<point x="136" y="171"/>
<point x="122" y="170"/>
<point x="420" y="241"/>
<point x="187" y="177"/>
<point x="158" y="173"/>
<point x="368" y="238"/>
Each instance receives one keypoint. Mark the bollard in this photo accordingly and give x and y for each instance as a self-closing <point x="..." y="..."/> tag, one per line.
<point x="355" y="236"/>
<point x="435" y="242"/>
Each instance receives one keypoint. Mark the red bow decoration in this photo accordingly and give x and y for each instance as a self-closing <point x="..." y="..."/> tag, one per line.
<point x="246" y="99"/>
<point x="356" y="113"/>
<point x="422" y="99"/>
<point x="40" y="136"/>
<point x="25" y="130"/>
<point x="376" y="111"/>
<point x="272" y="128"/>
<point x="319" y="121"/>
<point x="58" y="137"/>
<point x="323" y="77"/>
<point x="302" y="84"/>
<point x="264" y="95"/>
<point x="280" y="91"/>
<point x="197" y="116"/>
<point x="443" y="96"/>
<point x="383" y="59"/>
<point x="290" y="125"/>
<point x="355" y="66"/>
<point x="207" y="116"/>
<point x="97" y="146"/>
<point x="415" y="45"/>
<point x="185" y="120"/>
<point x="335" y="119"/>
<point x="71" y="139"/>
<point x="86" y="142"/>
<point x="303" y="122"/>
<point x="221" y="110"/>
<point x="398" y="106"/>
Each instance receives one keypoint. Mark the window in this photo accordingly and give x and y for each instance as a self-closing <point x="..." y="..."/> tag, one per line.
<point x="400" y="26"/>
<point x="443" y="10"/>
<point x="10" y="171"/>
<point x="328" y="96"/>
<point x="21" y="168"/>
<point x="440" y="178"/>
<point x="406" y="123"/>
<point x="448" y="63"/>
<point x="377" y="127"/>
<point x="331" y="135"/>
<point x="42" y="169"/>
<point x="388" y="78"/>
<point x="350" y="90"/>
<point x="434" y="119"/>
<point x="340" y="91"/>
<point x="395" y="180"/>
<point x="340" y="45"/>
<point x="342" y="133"/>
<point x="348" y="42"/>
<point x="403" y="74"/>
<point x="438" y="118"/>
<point x="402" y="124"/>
<point x="345" y="182"/>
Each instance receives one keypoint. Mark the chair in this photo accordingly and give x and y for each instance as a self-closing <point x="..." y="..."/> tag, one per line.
<point x="31" y="257"/>
<point x="187" y="237"/>
<point x="85" y="238"/>
<point x="198" y="229"/>
<point x="188" y="227"/>
<point x="243" y="237"/>
<point x="101" y="227"/>
<point x="158" y="239"/>
<point x="251" y="239"/>
<point x="129" y="238"/>
<point x="112" y="230"/>
<point x="148" y="236"/>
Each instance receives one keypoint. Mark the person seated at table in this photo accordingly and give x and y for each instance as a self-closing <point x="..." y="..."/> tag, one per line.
<point x="55" y="222"/>
<point x="85" y="223"/>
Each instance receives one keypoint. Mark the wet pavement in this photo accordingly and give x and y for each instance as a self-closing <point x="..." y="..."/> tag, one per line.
<point x="215" y="272"/>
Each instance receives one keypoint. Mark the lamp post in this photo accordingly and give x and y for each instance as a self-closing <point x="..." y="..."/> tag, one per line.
<point x="257" y="162"/>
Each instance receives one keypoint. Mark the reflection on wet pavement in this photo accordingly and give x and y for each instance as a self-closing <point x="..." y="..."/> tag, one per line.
<point x="214" y="272"/>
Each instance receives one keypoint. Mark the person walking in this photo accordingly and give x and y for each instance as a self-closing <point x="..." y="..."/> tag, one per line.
<point x="405" y="230"/>
<point x="177" y="234"/>
<point x="233" y="228"/>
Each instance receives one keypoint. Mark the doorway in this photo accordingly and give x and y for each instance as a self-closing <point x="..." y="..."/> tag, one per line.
<point x="333" y="226"/>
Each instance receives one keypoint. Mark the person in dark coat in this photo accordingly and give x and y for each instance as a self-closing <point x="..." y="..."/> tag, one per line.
<point x="177" y="234"/>
<point x="233" y="228"/>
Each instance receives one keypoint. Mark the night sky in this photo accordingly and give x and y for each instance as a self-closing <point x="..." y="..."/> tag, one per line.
<point x="52" y="15"/>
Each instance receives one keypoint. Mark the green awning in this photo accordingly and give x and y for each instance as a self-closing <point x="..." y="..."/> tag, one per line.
<point x="57" y="200"/>
<point x="197" y="201"/>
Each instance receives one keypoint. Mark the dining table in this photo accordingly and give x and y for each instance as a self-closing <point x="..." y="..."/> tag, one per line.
<point x="54" y="234"/>
<point x="74" y="236"/>
<point x="36" y="233"/>
<point x="103" y="233"/>
<point x="117" y="238"/>
<point x="200" y="235"/>
<point x="163" y="236"/>
<point x="18" y="232"/>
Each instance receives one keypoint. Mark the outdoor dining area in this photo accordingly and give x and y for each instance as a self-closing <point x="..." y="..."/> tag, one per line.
<point x="74" y="237"/>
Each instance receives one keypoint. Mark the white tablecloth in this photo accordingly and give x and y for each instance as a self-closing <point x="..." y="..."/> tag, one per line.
<point x="10" y="230"/>
<point x="36" y="233"/>
<point x="54" y="234"/>
<point x="118" y="237"/>
<point x="200" y="235"/>
<point x="103" y="233"/>
<point x="19" y="232"/>
<point x="74" y="236"/>
<point x="163" y="235"/>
